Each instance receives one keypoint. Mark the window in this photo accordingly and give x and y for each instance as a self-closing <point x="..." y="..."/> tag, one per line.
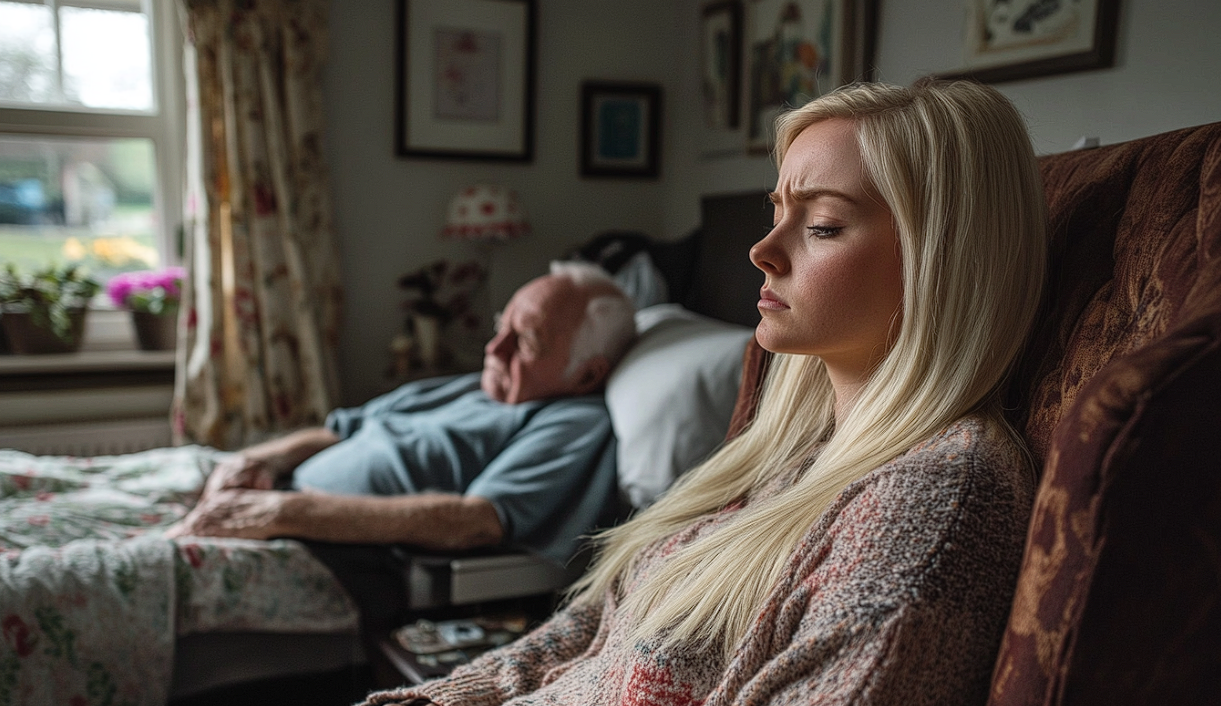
<point x="91" y="130"/>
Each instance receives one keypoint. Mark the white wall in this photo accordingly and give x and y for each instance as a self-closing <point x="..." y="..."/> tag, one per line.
<point x="390" y="210"/>
<point x="1165" y="77"/>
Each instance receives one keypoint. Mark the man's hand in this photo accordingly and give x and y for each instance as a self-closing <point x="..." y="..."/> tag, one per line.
<point x="233" y="512"/>
<point x="259" y="466"/>
<point x="242" y="471"/>
<point x="437" y="521"/>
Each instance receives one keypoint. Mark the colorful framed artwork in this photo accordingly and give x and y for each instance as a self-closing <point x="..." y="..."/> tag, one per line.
<point x="1008" y="40"/>
<point x="465" y="79"/>
<point x="721" y="63"/>
<point x="797" y="50"/>
<point x="620" y="129"/>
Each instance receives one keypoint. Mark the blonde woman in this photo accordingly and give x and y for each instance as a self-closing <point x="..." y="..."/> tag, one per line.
<point x="859" y="542"/>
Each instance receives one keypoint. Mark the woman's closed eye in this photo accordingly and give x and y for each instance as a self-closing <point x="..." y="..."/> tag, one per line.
<point x="820" y="231"/>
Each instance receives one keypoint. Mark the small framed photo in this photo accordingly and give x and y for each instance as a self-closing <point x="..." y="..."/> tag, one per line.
<point x="620" y="129"/>
<point x="465" y="79"/>
<point x="1008" y="40"/>
<point x="721" y="63"/>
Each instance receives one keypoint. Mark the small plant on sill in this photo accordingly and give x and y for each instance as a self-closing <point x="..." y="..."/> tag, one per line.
<point x="51" y="296"/>
<point x="149" y="291"/>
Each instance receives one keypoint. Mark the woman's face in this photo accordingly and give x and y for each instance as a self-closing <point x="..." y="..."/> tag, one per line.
<point x="833" y="282"/>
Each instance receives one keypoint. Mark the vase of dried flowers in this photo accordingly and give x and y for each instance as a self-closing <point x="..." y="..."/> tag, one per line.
<point x="439" y="310"/>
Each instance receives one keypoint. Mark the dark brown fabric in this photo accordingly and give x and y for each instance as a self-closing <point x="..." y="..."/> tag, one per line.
<point x="1119" y="598"/>
<point x="755" y="362"/>
<point x="1134" y="238"/>
<point x="1119" y="391"/>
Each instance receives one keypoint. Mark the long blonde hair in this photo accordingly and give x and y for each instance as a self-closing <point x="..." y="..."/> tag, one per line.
<point x="954" y="164"/>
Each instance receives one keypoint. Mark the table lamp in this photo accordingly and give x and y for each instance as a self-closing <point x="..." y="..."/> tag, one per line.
<point x="486" y="213"/>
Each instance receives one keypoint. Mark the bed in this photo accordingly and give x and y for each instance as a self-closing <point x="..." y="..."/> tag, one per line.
<point x="96" y="606"/>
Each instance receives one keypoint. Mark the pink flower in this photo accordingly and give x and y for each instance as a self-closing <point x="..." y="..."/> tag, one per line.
<point x="136" y="290"/>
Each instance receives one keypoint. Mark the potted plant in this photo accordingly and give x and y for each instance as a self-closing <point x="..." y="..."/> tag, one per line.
<point x="44" y="311"/>
<point x="152" y="297"/>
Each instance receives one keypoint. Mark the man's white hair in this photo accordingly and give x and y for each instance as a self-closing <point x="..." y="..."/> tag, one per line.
<point x="609" y="326"/>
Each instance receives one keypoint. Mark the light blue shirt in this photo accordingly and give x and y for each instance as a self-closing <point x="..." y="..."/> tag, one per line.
<point x="547" y="466"/>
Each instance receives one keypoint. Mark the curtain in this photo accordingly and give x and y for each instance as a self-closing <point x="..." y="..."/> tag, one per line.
<point x="259" y="322"/>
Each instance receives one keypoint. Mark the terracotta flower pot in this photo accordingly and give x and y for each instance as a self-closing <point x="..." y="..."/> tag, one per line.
<point x="155" y="332"/>
<point x="26" y="337"/>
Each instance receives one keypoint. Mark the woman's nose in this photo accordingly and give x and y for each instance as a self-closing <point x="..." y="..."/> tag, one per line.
<point x="767" y="254"/>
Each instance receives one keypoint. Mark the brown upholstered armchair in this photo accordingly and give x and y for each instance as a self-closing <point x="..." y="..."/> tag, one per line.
<point x="1119" y="395"/>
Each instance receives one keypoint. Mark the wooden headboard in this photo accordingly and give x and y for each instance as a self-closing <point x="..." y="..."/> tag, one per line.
<point x="709" y="271"/>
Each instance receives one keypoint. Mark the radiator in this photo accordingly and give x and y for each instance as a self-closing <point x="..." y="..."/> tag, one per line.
<point x="92" y="438"/>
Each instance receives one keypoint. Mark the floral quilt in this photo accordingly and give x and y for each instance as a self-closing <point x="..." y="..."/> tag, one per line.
<point x="92" y="596"/>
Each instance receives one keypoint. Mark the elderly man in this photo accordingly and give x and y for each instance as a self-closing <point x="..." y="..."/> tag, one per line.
<point x="520" y="455"/>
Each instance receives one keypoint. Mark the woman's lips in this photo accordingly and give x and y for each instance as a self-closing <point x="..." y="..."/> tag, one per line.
<point x="768" y="301"/>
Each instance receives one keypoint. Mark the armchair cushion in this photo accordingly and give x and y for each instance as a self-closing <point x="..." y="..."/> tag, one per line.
<point x="1117" y="601"/>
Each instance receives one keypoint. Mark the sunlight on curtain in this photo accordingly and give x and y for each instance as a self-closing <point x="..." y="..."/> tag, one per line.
<point x="262" y="319"/>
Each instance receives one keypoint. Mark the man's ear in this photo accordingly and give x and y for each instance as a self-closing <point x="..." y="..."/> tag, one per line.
<point x="592" y="376"/>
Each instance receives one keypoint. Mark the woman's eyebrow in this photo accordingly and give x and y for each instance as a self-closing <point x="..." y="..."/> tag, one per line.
<point x="811" y="193"/>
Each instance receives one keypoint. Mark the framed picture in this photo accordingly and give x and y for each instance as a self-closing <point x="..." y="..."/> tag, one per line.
<point x="620" y="129"/>
<point x="1008" y="40"/>
<point x="465" y="79"/>
<point x="721" y="63"/>
<point x="797" y="50"/>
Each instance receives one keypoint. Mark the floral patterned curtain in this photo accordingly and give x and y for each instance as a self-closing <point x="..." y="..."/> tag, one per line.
<point x="261" y="309"/>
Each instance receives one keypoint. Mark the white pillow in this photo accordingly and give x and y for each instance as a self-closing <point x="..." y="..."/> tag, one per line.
<point x="640" y="279"/>
<point x="672" y="395"/>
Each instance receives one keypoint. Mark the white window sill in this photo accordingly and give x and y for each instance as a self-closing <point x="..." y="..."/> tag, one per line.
<point x="109" y="380"/>
<point x="109" y="346"/>
<point x="86" y="362"/>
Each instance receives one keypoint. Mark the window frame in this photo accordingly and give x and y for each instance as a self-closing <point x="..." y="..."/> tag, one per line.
<point x="165" y="125"/>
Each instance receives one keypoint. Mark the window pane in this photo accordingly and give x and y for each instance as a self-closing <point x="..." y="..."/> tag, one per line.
<point x="27" y="53"/>
<point x="106" y="58"/>
<point x="88" y="201"/>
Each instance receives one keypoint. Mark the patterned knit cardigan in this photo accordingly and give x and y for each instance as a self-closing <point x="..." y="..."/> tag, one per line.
<point x="898" y="594"/>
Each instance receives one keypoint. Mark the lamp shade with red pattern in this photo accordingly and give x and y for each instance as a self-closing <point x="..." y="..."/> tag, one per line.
<point x="485" y="212"/>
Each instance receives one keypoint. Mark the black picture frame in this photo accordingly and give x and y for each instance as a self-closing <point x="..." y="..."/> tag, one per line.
<point x="721" y="63"/>
<point x="620" y="129"/>
<point x="1093" y="48"/>
<point x="465" y="79"/>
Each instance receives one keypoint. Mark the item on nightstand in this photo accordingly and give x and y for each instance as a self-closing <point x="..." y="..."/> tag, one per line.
<point x="426" y="650"/>
<point x="427" y="330"/>
<point x="440" y="320"/>
<point x="425" y="637"/>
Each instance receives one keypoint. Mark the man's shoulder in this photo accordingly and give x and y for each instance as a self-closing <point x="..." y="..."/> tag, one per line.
<point x="591" y="404"/>
<point x="580" y="409"/>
